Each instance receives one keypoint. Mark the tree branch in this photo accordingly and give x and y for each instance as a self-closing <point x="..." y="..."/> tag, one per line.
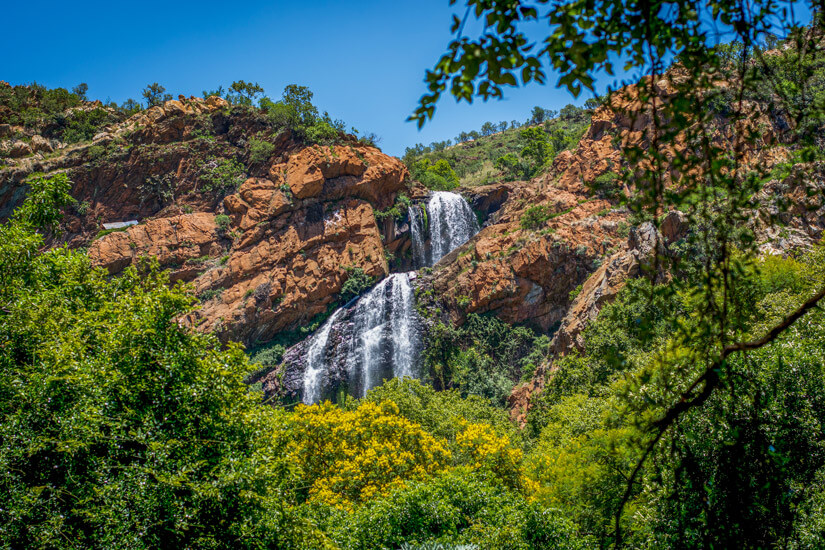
<point x="710" y="378"/>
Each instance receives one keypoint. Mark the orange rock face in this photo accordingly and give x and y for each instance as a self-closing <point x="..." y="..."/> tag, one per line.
<point x="172" y="241"/>
<point x="285" y="272"/>
<point x="341" y="171"/>
<point x="267" y="257"/>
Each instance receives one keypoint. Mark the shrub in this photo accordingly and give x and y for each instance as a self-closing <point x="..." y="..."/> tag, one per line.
<point x="535" y="217"/>
<point x="606" y="186"/>
<point x="82" y="125"/>
<point x="210" y="294"/>
<point x="438" y="176"/>
<point x="268" y="356"/>
<point x="356" y="284"/>
<point x="260" y="151"/>
<point x="537" y="146"/>
<point x="458" y="509"/>
<point x="397" y="211"/>
<point x="223" y="222"/>
<point x="221" y="175"/>
<point x="44" y="202"/>
<point x="352" y="456"/>
<point x="483" y="357"/>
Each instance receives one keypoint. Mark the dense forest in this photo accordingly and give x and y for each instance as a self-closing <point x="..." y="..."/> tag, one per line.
<point x="626" y="350"/>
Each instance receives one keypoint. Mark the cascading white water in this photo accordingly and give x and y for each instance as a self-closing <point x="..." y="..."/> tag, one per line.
<point x="378" y="338"/>
<point x="384" y="343"/>
<point x="315" y="361"/>
<point x="450" y="222"/>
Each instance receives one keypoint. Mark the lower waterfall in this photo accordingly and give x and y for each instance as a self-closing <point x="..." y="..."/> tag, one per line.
<point x="384" y="342"/>
<point x="316" y="360"/>
<point x="378" y="338"/>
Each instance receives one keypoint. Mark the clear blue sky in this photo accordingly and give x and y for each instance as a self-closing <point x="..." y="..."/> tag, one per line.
<point x="364" y="60"/>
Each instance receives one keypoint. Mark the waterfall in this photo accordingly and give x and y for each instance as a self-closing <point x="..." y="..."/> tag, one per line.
<point x="384" y="339"/>
<point x="316" y="360"/>
<point x="379" y="336"/>
<point x="449" y="223"/>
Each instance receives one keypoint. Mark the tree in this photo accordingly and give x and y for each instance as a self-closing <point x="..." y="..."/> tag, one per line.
<point x="160" y="445"/>
<point x="502" y="125"/>
<point x="538" y="115"/>
<point x="510" y="166"/>
<point x="537" y="146"/>
<point x="488" y="129"/>
<point x="219" y="92"/>
<point x="570" y="111"/>
<point x="80" y="91"/>
<point x="130" y="107"/>
<point x="299" y="99"/>
<point x="154" y="94"/>
<point x="244" y="93"/>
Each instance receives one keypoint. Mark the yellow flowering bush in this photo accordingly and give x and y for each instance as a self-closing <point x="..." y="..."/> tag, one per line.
<point x="480" y="447"/>
<point x="347" y="457"/>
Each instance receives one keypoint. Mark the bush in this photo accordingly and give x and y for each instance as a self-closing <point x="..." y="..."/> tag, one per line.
<point x="260" y="151"/>
<point x="296" y="112"/>
<point x="606" y="186"/>
<point x="356" y="284"/>
<point x="268" y="356"/>
<point x="82" y="125"/>
<point x="120" y="427"/>
<point x="221" y="175"/>
<point x="438" y="176"/>
<point x="348" y="457"/>
<point x="534" y="217"/>
<point x="457" y="507"/>
<point x="397" y="211"/>
<point x="484" y="356"/>
<point x="223" y="222"/>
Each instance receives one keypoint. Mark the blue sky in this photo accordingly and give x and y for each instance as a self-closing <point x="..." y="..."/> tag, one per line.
<point x="364" y="60"/>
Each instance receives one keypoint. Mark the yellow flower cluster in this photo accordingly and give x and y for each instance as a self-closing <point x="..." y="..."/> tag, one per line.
<point x="482" y="448"/>
<point x="347" y="457"/>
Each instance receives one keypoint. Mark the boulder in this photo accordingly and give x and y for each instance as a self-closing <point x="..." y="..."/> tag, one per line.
<point x="39" y="144"/>
<point x="19" y="149"/>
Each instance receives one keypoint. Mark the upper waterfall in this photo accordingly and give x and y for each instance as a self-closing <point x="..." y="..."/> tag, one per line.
<point x="447" y="222"/>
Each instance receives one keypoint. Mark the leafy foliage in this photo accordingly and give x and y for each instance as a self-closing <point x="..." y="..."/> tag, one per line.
<point x="356" y="284"/>
<point x="120" y="428"/>
<point x="351" y="456"/>
<point x="155" y="95"/>
<point x="260" y="151"/>
<point x="221" y="175"/>
<point x="534" y="217"/>
<point x="479" y="158"/>
<point x="483" y="357"/>
<point x="438" y="176"/>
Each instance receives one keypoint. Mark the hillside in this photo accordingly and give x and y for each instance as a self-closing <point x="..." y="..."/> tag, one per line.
<point x="473" y="155"/>
<point x="227" y="323"/>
